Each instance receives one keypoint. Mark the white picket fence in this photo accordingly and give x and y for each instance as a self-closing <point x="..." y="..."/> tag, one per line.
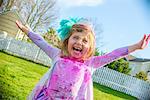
<point x="104" y="76"/>
<point x="122" y="82"/>
<point x="26" y="50"/>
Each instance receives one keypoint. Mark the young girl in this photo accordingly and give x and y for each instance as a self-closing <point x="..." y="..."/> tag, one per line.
<point x="70" y="77"/>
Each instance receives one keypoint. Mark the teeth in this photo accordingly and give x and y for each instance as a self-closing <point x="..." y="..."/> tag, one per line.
<point x="78" y="49"/>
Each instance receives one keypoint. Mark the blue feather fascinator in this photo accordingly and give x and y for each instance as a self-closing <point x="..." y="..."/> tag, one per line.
<point x="66" y="25"/>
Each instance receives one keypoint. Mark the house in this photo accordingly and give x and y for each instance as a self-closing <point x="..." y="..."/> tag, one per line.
<point x="138" y="64"/>
<point x="10" y="11"/>
<point x="8" y="26"/>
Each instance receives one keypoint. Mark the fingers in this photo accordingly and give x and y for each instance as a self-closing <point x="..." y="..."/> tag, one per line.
<point x="144" y="41"/>
<point x="19" y="24"/>
<point x="144" y="37"/>
<point x="148" y="37"/>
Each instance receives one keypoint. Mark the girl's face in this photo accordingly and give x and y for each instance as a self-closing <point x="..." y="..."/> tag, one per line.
<point x="78" y="45"/>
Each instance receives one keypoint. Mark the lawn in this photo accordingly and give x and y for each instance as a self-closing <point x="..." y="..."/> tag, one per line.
<point x="18" y="77"/>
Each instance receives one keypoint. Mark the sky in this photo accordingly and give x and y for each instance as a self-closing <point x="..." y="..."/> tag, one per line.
<point x="123" y="22"/>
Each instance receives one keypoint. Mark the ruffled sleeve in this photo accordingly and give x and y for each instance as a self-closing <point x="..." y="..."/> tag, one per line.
<point x="100" y="61"/>
<point x="51" y="51"/>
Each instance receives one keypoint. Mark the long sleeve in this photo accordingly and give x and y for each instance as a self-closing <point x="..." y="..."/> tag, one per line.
<point x="99" y="61"/>
<point x="51" y="51"/>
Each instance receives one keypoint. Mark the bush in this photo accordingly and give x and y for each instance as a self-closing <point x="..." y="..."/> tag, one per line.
<point x="141" y="75"/>
<point x="120" y="65"/>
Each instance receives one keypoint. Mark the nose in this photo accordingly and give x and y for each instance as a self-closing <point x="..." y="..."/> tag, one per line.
<point x="79" y="41"/>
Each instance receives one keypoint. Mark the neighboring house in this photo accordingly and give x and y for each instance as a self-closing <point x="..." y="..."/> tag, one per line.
<point x="148" y="76"/>
<point x="8" y="26"/>
<point x="3" y="34"/>
<point x="138" y="64"/>
<point x="10" y="11"/>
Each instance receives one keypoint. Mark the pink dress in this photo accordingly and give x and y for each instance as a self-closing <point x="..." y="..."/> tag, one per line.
<point x="69" y="79"/>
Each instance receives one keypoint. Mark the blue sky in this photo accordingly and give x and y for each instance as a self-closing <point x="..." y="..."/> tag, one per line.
<point x="123" y="22"/>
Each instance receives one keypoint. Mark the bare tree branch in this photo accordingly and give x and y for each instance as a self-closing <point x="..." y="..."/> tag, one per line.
<point x="41" y="14"/>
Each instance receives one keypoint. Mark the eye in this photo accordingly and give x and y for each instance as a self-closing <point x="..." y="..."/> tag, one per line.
<point x="79" y="30"/>
<point x="76" y="37"/>
<point x="85" y="40"/>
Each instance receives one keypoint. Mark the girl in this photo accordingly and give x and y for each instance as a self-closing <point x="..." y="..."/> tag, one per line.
<point x="70" y="76"/>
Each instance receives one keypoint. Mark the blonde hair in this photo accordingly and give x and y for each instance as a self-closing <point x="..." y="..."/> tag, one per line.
<point x="79" y="28"/>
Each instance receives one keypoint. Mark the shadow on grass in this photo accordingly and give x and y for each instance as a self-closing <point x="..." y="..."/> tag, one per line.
<point x="17" y="56"/>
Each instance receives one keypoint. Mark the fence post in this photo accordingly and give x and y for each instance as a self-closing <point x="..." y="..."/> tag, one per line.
<point x="8" y="44"/>
<point x="37" y="54"/>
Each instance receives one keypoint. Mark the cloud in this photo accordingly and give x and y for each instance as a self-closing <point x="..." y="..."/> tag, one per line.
<point x="73" y="3"/>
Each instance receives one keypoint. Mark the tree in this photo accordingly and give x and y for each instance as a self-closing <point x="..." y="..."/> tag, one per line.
<point x="51" y="37"/>
<point x="5" y="5"/>
<point x="120" y="65"/>
<point x="41" y="14"/>
<point x="1" y="1"/>
<point x="38" y="14"/>
<point x="98" y="53"/>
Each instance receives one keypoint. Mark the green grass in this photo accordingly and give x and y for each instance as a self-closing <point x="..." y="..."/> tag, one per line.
<point x="107" y="93"/>
<point x="18" y="77"/>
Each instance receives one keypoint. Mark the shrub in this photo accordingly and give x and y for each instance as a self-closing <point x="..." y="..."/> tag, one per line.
<point x="120" y="65"/>
<point x="141" y="75"/>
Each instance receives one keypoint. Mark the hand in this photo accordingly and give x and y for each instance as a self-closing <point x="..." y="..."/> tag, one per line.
<point x="19" y="24"/>
<point x="22" y="27"/>
<point x="144" y="42"/>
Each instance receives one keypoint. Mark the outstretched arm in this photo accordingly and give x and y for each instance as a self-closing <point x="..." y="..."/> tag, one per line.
<point x="39" y="41"/>
<point x="140" y="45"/>
<point x="99" y="61"/>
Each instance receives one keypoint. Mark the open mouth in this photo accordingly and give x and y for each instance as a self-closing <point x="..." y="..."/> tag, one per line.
<point x="77" y="49"/>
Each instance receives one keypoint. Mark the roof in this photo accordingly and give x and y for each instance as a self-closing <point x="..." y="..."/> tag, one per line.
<point x="140" y="60"/>
<point x="132" y="58"/>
